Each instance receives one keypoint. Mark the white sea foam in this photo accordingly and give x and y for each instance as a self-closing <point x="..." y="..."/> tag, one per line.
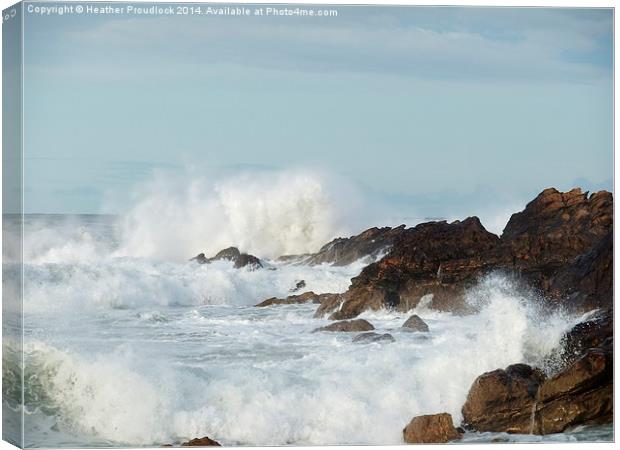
<point x="142" y="351"/>
<point x="258" y="376"/>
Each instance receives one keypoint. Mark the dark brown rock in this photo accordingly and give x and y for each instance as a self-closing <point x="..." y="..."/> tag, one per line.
<point x="373" y="337"/>
<point x="436" y="258"/>
<point x="503" y="400"/>
<point x="414" y="323"/>
<point x="431" y="429"/>
<point x="231" y="254"/>
<point x="343" y="251"/>
<point x="201" y="442"/>
<point x="348" y="326"/>
<point x="306" y="297"/>
<point x="587" y="282"/>
<point x="581" y="394"/>
<point x="560" y="245"/>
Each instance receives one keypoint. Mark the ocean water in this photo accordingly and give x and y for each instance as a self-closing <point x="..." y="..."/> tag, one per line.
<point x="148" y="349"/>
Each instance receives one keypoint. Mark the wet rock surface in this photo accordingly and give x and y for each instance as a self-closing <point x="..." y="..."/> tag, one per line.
<point x="503" y="400"/>
<point x="373" y="337"/>
<point x="414" y="323"/>
<point x="520" y="400"/>
<point x="343" y="251"/>
<point x="431" y="429"/>
<point x="231" y="254"/>
<point x="348" y="326"/>
<point x="306" y="297"/>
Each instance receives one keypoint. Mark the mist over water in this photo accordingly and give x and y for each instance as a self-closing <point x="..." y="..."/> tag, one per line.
<point x="128" y="342"/>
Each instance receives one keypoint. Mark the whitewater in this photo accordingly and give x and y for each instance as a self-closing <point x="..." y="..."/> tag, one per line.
<point x="127" y="343"/>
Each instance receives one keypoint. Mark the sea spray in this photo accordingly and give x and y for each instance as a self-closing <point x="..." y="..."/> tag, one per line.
<point x="258" y="376"/>
<point x="266" y="214"/>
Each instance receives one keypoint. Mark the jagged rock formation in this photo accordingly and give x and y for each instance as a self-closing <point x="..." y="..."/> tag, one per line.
<point x="343" y="251"/>
<point x="520" y="399"/>
<point x="231" y="254"/>
<point x="560" y="244"/>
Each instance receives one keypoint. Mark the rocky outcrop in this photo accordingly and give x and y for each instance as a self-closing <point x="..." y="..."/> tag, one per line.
<point x="348" y="326"/>
<point x="231" y="254"/>
<point x="585" y="335"/>
<point x="582" y="394"/>
<point x="560" y="245"/>
<point x="560" y="239"/>
<point x="201" y="442"/>
<point x="520" y="400"/>
<point x="431" y="429"/>
<point x="343" y="251"/>
<point x="306" y="297"/>
<point x="436" y="258"/>
<point x="503" y="400"/>
<point x="373" y="337"/>
<point x="414" y="323"/>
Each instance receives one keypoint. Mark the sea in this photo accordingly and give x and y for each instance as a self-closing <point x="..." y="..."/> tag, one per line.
<point x="126" y="348"/>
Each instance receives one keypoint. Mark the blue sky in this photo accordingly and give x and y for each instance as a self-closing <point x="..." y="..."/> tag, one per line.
<point x="445" y="110"/>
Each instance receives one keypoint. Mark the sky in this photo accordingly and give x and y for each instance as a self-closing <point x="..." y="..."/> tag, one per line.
<point x="442" y="110"/>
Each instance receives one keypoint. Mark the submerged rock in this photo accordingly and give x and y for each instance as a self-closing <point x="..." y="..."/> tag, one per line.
<point x="201" y="442"/>
<point x="431" y="429"/>
<point x="373" y="337"/>
<point x="348" y="326"/>
<point x="231" y="254"/>
<point x="299" y="285"/>
<point x="414" y="323"/>
<point x="503" y="400"/>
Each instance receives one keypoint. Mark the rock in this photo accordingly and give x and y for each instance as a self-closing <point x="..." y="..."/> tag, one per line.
<point x="561" y="245"/>
<point x="431" y="429"/>
<point x="200" y="259"/>
<point x="436" y="258"/>
<point x="586" y="283"/>
<point x="503" y="400"/>
<point x="553" y="230"/>
<point x="231" y="254"/>
<point x="520" y="400"/>
<point x="298" y="286"/>
<point x="201" y="442"/>
<point x="344" y="251"/>
<point x="348" y="326"/>
<point x="585" y="335"/>
<point x="414" y="323"/>
<point x="581" y="394"/>
<point x="373" y="337"/>
<point x="329" y="304"/>
<point x="306" y="297"/>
